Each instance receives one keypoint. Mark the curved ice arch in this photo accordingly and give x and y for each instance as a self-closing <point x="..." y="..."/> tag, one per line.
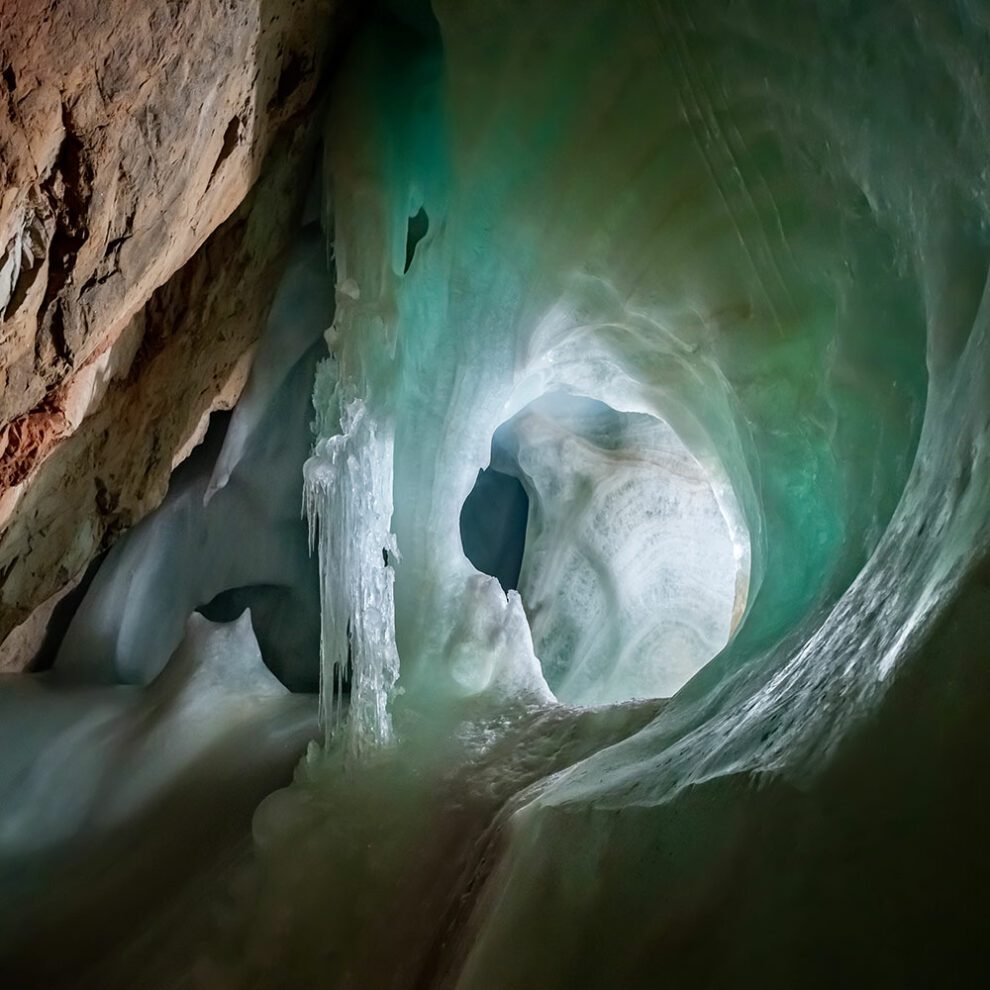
<point x="616" y="236"/>
<point x="631" y="577"/>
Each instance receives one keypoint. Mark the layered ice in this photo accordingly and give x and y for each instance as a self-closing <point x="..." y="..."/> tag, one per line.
<point x="630" y="577"/>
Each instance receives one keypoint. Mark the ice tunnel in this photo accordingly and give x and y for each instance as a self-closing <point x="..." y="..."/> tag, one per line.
<point x="628" y="572"/>
<point x="629" y="378"/>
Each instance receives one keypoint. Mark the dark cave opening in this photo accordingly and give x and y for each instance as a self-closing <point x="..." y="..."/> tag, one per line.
<point x="493" y="526"/>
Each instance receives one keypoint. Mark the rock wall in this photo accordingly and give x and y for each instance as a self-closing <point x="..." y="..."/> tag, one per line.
<point x="128" y="135"/>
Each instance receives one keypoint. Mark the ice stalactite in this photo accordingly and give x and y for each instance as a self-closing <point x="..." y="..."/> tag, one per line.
<point x="347" y="491"/>
<point x="348" y="501"/>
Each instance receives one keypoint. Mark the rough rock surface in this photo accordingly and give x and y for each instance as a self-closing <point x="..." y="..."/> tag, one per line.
<point x="128" y="134"/>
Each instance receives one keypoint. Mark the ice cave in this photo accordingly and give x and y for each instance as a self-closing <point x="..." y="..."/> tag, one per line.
<point x="494" y="495"/>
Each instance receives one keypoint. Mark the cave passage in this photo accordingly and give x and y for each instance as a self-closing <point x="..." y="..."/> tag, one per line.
<point x="493" y="526"/>
<point x="652" y="433"/>
<point x="628" y="572"/>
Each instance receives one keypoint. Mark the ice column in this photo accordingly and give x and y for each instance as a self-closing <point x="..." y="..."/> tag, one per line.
<point x="348" y="501"/>
<point x="348" y="492"/>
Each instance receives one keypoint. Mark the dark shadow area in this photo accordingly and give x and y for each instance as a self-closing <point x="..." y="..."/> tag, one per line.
<point x="61" y="616"/>
<point x="493" y="526"/>
<point x="419" y="224"/>
<point x="283" y="627"/>
<point x="86" y="900"/>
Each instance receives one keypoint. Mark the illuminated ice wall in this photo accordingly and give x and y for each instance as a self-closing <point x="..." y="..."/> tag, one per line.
<point x="760" y="225"/>
<point x="668" y="211"/>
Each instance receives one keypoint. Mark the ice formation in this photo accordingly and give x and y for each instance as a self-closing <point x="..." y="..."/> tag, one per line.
<point x="127" y="765"/>
<point x="228" y="534"/>
<point x="630" y="576"/>
<point x="110" y="795"/>
<point x="729" y="308"/>
<point x="717" y="216"/>
<point x="754" y="236"/>
<point x="349" y="505"/>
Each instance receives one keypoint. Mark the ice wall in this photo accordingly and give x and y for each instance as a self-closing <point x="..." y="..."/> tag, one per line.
<point x="765" y="225"/>
<point x="631" y="578"/>
<point x="649" y="234"/>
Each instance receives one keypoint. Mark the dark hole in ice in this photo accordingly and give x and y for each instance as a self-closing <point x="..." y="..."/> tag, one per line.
<point x="419" y="224"/>
<point x="61" y="617"/>
<point x="278" y="617"/>
<point x="493" y="526"/>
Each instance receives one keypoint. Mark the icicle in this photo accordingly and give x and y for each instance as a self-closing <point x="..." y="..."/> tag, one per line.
<point x="348" y="501"/>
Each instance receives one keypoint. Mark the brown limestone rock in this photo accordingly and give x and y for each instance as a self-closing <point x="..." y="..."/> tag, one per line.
<point x="189" y="352"/>
<point x="130" y="132"/>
